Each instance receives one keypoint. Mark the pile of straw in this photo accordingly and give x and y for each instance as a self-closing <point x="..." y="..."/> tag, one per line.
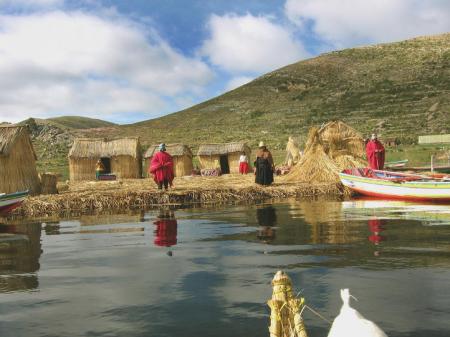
<point x="340" y="139"/>
<point x="347" y="161"/>
<point x="329" y="150"/>
<point x="315" y="166"/>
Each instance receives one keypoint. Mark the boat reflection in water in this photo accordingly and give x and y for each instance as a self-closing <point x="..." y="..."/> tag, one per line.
<point x="20" y="250"/>
<point x="166" y="229"/>
<point x="267" y="220"/>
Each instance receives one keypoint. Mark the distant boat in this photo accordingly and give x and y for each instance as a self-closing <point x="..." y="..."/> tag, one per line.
<point x="10" y="201"/>
<point x="439" y="169"/>
<point x="398" y="163"/>
<point x="395" y="185"/>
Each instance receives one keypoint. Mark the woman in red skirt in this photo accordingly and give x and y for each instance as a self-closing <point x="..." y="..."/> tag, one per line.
<point x="243" y="164"/>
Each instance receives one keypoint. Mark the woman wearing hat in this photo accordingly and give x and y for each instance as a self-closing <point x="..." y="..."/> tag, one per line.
<point x="264" y="166"/>
<point x="161" y="167"/>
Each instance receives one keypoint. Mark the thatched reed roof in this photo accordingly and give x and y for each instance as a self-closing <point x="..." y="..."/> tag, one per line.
<point x="174" y="150"/>
<point x="219" y="149"/>
<point x="8" y="137"/>
<point x="99" y="147"/>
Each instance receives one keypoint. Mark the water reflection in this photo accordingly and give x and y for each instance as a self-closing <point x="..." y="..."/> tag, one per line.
<point x="166" y="229"/>
<point x="267" y="220"/>
<point x="102" y="274"/>
<point x="20" y="250"/>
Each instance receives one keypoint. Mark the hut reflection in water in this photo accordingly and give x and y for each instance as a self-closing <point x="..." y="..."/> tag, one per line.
<point x="20" y="250"/>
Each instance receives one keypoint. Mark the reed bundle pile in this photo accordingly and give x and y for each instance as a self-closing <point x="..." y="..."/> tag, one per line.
<point x="315" y="166"/>
<point x="348" y="161"/>
<point x="48" y="183"/>
<point x="292" y="152"/>
<point x="340" y="139"/>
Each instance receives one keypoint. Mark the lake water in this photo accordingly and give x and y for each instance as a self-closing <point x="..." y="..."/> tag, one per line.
<point x="207" y="271"/>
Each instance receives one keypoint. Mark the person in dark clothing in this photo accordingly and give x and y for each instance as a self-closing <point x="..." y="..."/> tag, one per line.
<point x="264" y="167"/>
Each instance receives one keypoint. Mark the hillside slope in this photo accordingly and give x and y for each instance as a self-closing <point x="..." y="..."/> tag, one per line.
<point x="399" y="89"/>
<point x="76" y="122"/>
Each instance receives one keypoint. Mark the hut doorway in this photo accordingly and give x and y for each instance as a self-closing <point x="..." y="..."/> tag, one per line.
<point x="106" y="161"/>
<point x="224" y="166"/>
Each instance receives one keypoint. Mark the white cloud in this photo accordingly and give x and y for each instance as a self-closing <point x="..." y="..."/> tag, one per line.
<point x="31" y="3"/>
<point x="237" y="82"/>
<point x="58" y="63"/>
<point x="345" y="23"/>
<point x="248" y="43"/>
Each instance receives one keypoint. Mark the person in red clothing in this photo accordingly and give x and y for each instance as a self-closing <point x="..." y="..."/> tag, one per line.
<point x="161" y="167"/>
<point x="375" y="153"/>
<point x="243" y="164"/>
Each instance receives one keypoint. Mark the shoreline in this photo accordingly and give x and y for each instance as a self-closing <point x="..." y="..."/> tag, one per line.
<point x="88" y="197"/>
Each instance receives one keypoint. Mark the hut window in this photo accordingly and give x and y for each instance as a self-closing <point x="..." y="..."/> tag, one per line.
<point x="224" y="166"/>
<point x="107" y="164"/>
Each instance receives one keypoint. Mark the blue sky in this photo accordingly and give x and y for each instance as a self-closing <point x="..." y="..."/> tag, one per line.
<point x="131" y="60"/>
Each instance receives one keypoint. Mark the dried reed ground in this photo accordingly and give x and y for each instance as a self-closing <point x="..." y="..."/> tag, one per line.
<point x="86" y="197"/>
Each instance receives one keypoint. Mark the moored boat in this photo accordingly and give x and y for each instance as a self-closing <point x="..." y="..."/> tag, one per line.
<point x="394" y="185"/>
<point x="10" y="201"/>
<point x="398" y="163"/>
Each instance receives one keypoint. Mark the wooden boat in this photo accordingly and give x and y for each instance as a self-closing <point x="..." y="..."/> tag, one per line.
<point x="10" y="201"/>
<point x="399" y="163"/>
<point x="395" y="185"/>
<point x="439" y="169"/>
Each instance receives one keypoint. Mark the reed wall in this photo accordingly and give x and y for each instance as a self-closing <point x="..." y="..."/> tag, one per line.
<point x="124" y="167"/>
<point x="18" y="168"/>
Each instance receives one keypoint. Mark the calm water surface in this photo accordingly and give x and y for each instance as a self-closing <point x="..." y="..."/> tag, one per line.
<point x="207" y="272"/>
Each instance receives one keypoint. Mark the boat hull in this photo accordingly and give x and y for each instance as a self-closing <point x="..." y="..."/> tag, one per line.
<point x="9" y="202"/>
<point x="407" y="190"/>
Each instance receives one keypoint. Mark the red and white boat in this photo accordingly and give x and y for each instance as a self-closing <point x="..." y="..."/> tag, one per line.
<point x="394" y="185"/>
<point x="10" y="201"/>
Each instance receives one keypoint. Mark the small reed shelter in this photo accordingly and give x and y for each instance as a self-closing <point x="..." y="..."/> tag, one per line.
<point x="17" y="161"/>
<point x="181" y="154"/>
<point x="223" y="156"/>
<point x="121" y="157"/>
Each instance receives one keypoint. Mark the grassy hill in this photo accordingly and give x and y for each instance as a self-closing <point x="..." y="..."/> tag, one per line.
<point x="76" y="122"/>
<point x="398" y="89"/>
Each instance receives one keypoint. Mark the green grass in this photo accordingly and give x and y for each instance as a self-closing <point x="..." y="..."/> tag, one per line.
<point x="76" y="122"/>
<point x="387" y="88"/>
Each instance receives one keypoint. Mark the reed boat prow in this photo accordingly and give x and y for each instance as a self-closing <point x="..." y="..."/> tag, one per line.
<point x="395" y="185"/>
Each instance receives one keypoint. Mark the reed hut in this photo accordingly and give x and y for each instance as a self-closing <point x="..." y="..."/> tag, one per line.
<point x="121" y="157"/>
<point x="226" y="156"/>
<point x="182" y="158"/>
<point x="17" y="161"/>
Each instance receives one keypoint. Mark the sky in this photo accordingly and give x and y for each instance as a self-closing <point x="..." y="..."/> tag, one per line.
<point x="130" y="60"/>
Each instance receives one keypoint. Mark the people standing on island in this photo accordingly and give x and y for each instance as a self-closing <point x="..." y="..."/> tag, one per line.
<point x="243" y="164"/>
<point x="264" y="167"/>
<point x="99" y="169"/>
<point x="375" y="153"/>
<point x="161" y="167"/>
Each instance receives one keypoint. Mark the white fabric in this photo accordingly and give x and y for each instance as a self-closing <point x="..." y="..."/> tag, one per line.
<point x="350" y="323"/>
<point x="243" y="158"/>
